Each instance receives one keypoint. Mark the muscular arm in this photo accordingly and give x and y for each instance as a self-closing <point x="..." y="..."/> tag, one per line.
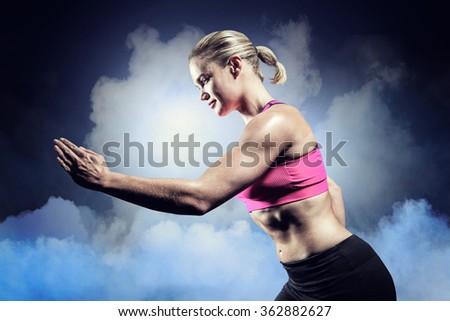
<point x="177" y="196"/>
<point x="181" y="196"/>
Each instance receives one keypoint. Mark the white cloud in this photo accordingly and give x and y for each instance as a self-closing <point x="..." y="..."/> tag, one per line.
<point x="57" y="218"/>
<point x="171" y="261"/>
<point x="291" y="44"/>
<point x="144" y="261"/>
<point x="415" y="245"/>
<point x="380" y="153"/>
<point x="154" y="103"/>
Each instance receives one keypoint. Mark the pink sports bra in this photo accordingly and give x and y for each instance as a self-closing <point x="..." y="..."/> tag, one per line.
<point x="287" y="181"/>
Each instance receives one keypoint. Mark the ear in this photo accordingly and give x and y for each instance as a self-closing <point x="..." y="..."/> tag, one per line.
<point x="235" y="65"/>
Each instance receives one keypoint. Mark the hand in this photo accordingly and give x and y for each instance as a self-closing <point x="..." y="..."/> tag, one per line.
<point x="87" y="168"/>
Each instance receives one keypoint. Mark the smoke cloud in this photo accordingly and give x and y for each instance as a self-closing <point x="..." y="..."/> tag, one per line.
<point x="381" y="157"/>
<point x="291" y="43"/>
<point x="87" y="260"/>
<point x="415" y="245"/>
<point x="90" y="258"/>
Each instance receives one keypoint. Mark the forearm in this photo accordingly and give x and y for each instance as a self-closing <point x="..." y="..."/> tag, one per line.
<point x="177" y="196"/>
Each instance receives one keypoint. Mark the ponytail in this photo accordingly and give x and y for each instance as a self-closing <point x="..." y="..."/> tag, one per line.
<point x="268" y="57"/>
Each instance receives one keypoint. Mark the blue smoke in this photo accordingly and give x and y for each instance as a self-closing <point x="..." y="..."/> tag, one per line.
<point x="415" y="245"/>
<point x="85" y="259"/>
<point x="88" y="259"/>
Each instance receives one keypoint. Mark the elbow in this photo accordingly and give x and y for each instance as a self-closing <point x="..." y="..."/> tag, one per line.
<point x="194" y="206"/>
<point x="202" y="207"/>
<point x="335" y="190"/>
<point x="201" y="200"/>
<point x="333" y="186"/>
<point x="191" y="209"/>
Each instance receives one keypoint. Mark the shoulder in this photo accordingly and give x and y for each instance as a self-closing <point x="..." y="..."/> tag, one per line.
<point x="281" y="121"/>
<point x="278" y="115"/>
<point x="282" y="113"/>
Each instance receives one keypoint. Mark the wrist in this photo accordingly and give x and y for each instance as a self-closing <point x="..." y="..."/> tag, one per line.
<point x="107" y="181"/>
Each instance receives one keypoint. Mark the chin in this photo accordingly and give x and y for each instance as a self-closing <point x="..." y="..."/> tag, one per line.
<point x="222" y="113"/>
<point x="219" y="111"/>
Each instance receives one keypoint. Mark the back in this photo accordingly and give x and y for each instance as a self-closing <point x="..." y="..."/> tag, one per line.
<point x="291" y="177"/>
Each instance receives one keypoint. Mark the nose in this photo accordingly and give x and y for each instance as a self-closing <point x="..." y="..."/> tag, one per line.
<point x="204" y="95"/>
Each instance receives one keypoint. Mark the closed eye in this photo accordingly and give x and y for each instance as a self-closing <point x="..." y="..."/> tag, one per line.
<point x="203" y="80"/>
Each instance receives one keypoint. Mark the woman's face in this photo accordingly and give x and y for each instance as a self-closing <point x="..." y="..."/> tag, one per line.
<point x="215" y="84"/>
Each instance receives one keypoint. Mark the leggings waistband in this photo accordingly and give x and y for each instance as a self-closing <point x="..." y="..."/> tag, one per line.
<point x="335" y="262"/>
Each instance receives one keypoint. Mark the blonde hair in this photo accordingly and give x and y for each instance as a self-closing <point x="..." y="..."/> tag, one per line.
<point x="219" y="46"/>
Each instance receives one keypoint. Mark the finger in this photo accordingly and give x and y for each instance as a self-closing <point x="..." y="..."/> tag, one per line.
<point x="88" y="151"/>
<point x="93" y="156"/>
<point x="62" y="147"/>
<point x="63" y="152"/>
<point x="74" y="148"/>
<point x="63" y="164"/>
<point x="62" y="156"/>
<point x="73" y="156"/>
<point x="58" y="149"/>
<point x="66" y="151"/>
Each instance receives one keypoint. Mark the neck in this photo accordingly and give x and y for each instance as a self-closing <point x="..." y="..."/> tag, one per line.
<point x="253" y="102"/>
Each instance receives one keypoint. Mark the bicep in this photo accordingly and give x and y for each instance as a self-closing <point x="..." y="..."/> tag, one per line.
<point x="231" y="174"/>
<point x="242" y="165"/>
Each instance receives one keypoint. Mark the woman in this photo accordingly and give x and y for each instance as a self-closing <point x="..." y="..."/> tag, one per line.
<point x="277" y="170"/>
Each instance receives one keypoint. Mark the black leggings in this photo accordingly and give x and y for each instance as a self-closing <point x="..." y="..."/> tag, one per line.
<point x="349" y="271"/>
